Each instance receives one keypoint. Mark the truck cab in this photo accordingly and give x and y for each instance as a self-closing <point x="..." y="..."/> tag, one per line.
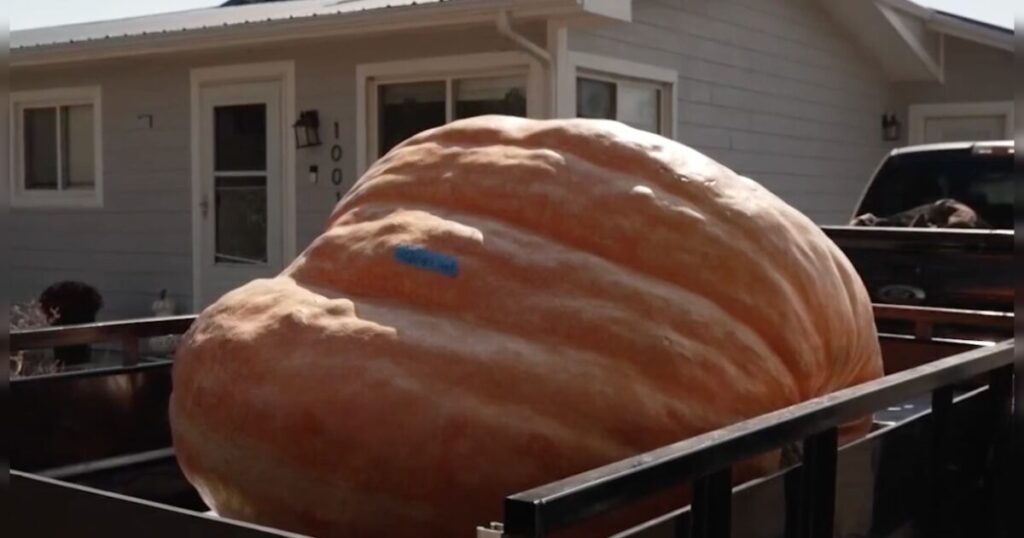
<point x="969" y="267"/>
<point x="977" y="174"/>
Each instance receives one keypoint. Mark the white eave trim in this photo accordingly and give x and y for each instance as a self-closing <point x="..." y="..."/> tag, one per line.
<point x="614" y="9"/>
<point x="952" y="26"/>
<point x="931" y="62"/>
<point x="347" y="24"/>
<point x="909" y="7"/>
<point x="970" y="32"/>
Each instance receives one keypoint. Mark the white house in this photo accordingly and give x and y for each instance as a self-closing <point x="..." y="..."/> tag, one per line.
<point x="159" y="152"/>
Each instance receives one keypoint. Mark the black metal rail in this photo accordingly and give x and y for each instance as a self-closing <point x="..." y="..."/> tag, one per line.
<point x="931" y="316"/>
<point x="135" y="329"/>
<point x="706" y="460"/>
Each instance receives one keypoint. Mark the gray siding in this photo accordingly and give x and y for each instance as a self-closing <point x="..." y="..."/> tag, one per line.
<point x="974" y="72"/>
<point x="141" y="240"/>
<point x="771" y="88"/>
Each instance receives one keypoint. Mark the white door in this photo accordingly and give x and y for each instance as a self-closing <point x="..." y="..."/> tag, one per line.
<point x="240" y="206"/>
<point x="965" y="128"/>
<point x="961" y="122"/>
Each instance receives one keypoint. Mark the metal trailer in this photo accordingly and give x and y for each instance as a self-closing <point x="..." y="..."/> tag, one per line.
<point x="90" y="450"/>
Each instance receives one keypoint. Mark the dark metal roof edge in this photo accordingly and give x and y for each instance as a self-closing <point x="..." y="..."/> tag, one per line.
<point x="199" y="28"/>
<point x="988" y="26"/>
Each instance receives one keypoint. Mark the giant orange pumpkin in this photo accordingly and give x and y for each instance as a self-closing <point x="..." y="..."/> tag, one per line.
<point x="499" y="303"/>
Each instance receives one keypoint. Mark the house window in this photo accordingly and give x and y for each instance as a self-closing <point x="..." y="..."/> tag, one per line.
<point x="56" y="148"/>
<point x="639" y="104"/>
<point x="406" y="108"/>
<point x="636" y="94"/>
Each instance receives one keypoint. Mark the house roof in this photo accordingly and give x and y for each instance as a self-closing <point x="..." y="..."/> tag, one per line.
<point x="907" y="38"/>
<point x="949" y="23"/>
<point x="275" y="21"/>
<point x="973" y="30"/>
<point x="200" y="19"/>
<point x="902" y="34"/>
<point x="982" y="25"/>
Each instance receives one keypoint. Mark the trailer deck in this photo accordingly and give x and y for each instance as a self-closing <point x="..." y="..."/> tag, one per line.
<point x="90" y="450"/>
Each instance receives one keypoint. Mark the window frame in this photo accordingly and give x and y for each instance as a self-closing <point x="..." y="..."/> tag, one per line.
<point x="55" y="98"/>
<point x="618" y="71"/>
<point x="369" y="77"/>
<point x="373" y="134"/>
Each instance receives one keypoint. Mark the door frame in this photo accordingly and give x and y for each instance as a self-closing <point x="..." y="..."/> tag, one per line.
<point x="282" y="72"/>
<point x="919" y="113"/>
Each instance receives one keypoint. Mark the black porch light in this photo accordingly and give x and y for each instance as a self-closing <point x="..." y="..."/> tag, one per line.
<point x="307" y="128"/>
<point x="890" y="127"/>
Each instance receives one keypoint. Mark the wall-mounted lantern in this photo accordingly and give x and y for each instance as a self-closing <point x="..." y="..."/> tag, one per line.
<point x="890" y="127"/>
<point x="307" y="129"/>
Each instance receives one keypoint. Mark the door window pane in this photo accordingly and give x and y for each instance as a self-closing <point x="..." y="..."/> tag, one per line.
<point x="241" y="220"/>
<point x="40" y="141"/>
<point x="77" y="143"/>
<point x="956" y="129"/>
<point x="406" y="109"/>
<point x="595" y="99"/>
<point x="638" y="107"/>
<point x="493" y="95"/>
<point x="240" y="138"/>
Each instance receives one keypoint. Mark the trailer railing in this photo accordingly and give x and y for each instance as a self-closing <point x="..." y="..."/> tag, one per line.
<point x="925" y="320"/>
<point x="127" y="332"/>
<point x="706" y="461"/>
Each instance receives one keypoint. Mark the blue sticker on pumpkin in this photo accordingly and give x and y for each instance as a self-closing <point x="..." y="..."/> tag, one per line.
<point x="428" y="260"/>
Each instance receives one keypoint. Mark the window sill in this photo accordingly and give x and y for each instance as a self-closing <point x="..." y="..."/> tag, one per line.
<point x="42" y="201"/>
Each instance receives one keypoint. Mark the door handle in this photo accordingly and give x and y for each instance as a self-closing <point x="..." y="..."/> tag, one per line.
<point x="204" y="206"/>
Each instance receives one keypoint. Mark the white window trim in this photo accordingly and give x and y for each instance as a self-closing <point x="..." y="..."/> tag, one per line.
<point x="22" y="198"/>
<point x="608" y="68"/>
<point x="920" y="113"/>
<point x="284" y="72"/>
<point x="368" y="76"/>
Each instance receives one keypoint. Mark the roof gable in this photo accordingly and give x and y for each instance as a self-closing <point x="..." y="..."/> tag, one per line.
<point x="907" y="38"/>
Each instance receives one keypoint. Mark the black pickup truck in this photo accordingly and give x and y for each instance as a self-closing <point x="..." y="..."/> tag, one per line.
<point x="962" y="268"/>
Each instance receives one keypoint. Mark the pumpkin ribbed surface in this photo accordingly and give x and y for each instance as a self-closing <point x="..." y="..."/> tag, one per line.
<point x="499" y="303"/>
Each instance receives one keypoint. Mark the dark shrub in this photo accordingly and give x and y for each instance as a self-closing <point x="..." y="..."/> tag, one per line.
<point x="71" y="302"/>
